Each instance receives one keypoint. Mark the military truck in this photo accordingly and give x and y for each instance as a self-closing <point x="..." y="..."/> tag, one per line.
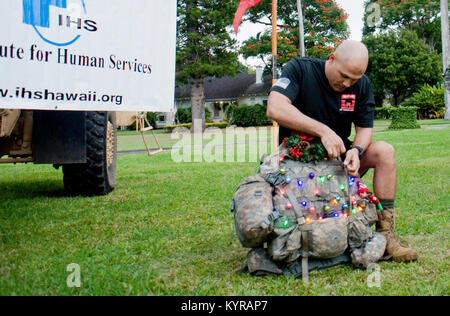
<point x="84" y="144"/>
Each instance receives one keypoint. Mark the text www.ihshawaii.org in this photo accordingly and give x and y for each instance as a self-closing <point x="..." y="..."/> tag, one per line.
<point x="47" y="95"/>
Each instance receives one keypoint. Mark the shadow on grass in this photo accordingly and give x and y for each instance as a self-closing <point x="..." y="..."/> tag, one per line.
<point x="33" y="189"/>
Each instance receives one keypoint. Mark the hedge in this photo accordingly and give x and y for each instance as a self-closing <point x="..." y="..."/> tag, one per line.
<point x="429" y="101"/>
<point x="170" y="128"/>
<point x="383" y="113"/>
<point x="184" y="115"/>
<point x="404" y="118"/>
<point x="246" y="116"/>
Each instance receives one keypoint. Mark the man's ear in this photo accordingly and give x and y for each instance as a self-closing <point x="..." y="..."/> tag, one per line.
<point x="332" y="57"/>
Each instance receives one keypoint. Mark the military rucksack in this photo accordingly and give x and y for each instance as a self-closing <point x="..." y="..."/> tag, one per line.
<point x="306" y="210"/>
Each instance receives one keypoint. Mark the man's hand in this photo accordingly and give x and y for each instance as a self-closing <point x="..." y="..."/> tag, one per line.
<point x="333" y="144"/>
<point x="352" y="162"/>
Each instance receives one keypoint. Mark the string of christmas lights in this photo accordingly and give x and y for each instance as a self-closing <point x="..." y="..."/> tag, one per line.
<point x="335" y="205"/>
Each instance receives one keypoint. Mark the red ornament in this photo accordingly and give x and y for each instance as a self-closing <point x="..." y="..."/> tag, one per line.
<point x="363" y="191"/>
<point x="296" y="152"/>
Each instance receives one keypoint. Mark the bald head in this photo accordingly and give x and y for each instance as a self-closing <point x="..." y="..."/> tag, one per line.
<point x="354" y="55"/>
<point x="347" y="65"/>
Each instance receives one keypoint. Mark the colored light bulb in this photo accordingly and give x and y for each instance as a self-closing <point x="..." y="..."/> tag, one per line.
<point x="282" y="192"/>
<point x="326" y="208"/>
<point x="345" y="206"/>
<point x="336" y="215"/>
<point x="312" y="209"/>
<point x="322" y="179"/>
<point x="300" y="183"/>
<point x="308" y="220"/>
<point x="283" y="171"/>
<point x="312" y="175"/>
<point x="338" y="198"/>
<point x="320" y="218"/>
<point x="354" y="211"/>
<point x="330" y="176"/>
<point x="281" y="159"/>
<point x="288" y="205"/>
<point x="304" y="203"/>
<point x="288" y="180"/>
<point x="342" y="187"/>
<point x="285" y="222"/>
<point x="334" y="201"/>
<point x="317" y="191"/>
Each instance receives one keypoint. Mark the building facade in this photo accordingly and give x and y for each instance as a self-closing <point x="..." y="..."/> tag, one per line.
<point x="244" y="89"/>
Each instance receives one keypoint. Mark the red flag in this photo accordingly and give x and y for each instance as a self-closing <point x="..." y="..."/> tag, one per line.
<point x="244" y="5"/>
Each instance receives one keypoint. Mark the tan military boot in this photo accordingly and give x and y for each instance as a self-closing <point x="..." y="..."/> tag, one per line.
<point x="394" y="248"/>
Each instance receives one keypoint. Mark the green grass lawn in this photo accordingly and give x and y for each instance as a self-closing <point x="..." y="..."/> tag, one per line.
<point x="166" y="230"/>
<point x="130" y="140"/>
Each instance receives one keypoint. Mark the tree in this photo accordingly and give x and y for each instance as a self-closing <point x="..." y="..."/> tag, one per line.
<point x="420" y="16"/>
<point x="204" y="47"/>
<point x="400" y="63"/>
<point x="325" y="28"/>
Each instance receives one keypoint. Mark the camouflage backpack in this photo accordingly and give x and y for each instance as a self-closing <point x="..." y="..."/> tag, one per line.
<point x="307" y="210"/>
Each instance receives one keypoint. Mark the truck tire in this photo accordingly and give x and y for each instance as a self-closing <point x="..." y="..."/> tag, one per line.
<point x="98" y="175"/>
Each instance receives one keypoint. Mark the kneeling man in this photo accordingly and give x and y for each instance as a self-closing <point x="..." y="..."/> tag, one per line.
<point x="323" y="98"/>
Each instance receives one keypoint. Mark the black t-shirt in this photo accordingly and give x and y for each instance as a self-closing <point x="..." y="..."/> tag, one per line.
<point x="304" y="82"/>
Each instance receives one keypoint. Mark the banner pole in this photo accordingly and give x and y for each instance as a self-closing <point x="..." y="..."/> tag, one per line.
<point x="275" y="127"/>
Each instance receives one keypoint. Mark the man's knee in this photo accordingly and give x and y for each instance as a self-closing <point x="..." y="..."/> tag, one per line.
<point x="382" y="151"/>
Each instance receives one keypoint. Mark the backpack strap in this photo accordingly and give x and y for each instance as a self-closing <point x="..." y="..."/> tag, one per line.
<point x="298" y="211"/>
<point x="275" y="179"/>
<point x="305" y="230"/>
<point x="274" y="216"/>
<point x="306" y="235"/>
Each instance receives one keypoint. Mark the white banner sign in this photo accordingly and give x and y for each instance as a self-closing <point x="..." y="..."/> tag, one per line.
<point x="103" y="55"/>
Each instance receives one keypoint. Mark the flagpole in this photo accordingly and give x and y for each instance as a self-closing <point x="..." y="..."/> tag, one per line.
<point x="301" y="29"/>
<point x="275" y="128"/>
<point x="446" y="56"/>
